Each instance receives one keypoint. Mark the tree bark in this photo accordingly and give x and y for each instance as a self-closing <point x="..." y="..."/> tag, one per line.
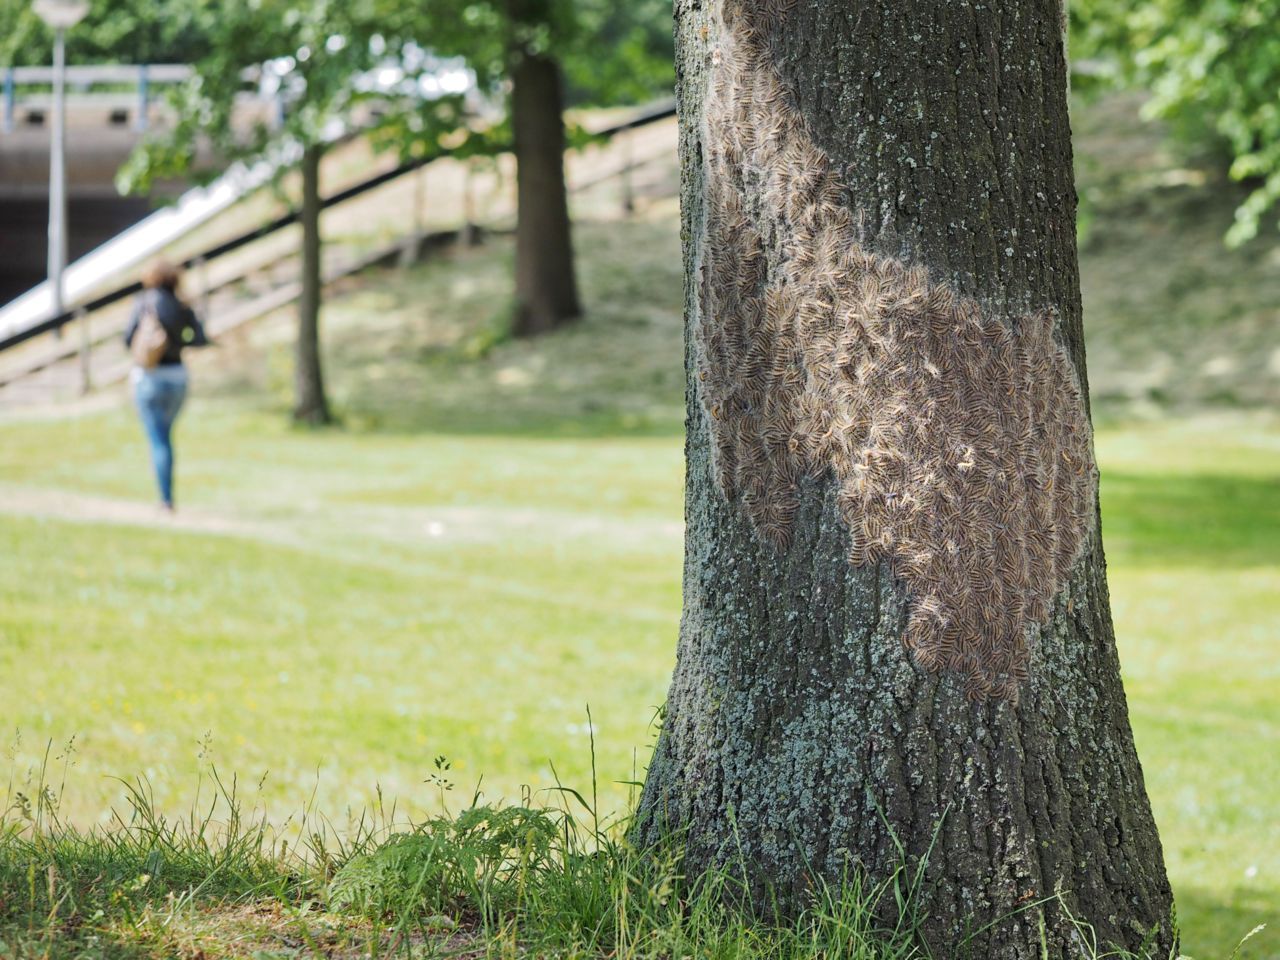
<point x="310" y="404"/>
<point x="546" y="289"/>
<point x="896" y="624"/>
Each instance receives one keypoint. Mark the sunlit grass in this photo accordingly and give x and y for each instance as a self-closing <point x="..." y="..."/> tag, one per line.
<point x="339" y="640"/>
<point x="361" y="635"/>
<point x="1191" y="517"/>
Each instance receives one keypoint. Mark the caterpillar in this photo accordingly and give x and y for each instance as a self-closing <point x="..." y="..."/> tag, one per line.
<point x="957" y="438"/>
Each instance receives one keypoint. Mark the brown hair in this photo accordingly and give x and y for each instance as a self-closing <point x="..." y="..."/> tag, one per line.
<point x="162" y="273"/>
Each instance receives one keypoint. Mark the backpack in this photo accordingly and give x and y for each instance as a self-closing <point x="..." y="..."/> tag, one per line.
<point x="150" y="339"/>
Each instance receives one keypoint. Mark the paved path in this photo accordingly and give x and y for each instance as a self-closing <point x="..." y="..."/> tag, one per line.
<point x="89" y="508"/>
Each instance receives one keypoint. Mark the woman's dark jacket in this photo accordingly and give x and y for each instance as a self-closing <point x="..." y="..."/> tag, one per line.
<point x="177" y="319"/>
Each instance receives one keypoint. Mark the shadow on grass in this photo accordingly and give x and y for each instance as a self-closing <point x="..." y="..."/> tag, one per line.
<point x="604" y="425"/>
<point x="562" y="387"/>
<point x="430" y="350"/>
<point x="1198" y="520"/>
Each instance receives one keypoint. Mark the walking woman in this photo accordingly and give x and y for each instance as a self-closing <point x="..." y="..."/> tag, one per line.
<point x="161" y="326"/>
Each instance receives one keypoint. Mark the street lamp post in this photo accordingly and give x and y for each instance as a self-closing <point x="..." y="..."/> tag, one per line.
<point x="61" y="15"/>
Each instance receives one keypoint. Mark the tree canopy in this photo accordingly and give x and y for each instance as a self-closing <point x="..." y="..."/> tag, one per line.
<point x="313" y="49"/>
<point x="1212" y="67"/>
<point x="611" y="53"/>
<point x="115" y="31"/>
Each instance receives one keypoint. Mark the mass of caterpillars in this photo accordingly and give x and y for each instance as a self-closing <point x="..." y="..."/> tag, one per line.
<point x="958" y="440"/>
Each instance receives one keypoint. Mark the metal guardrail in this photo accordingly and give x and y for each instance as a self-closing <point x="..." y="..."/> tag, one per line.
<point x="85" y="75"/>
<point x="643" y="118"/>
<point x="141" y="77"/>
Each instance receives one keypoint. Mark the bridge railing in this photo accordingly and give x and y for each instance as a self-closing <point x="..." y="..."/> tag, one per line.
<point x="642" y="118"/>
<point x="139" y="77"/>
<point x="91" y="74"/>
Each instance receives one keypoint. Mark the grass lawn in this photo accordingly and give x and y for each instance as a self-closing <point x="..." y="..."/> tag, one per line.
<point x="346" y="606"/>
<point x="349" y="607"/>
<point x="492" y="544"/>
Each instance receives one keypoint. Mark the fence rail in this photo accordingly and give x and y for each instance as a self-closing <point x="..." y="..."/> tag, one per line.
<point x="122" y="73"/>
<point x="140" y="78"/>
<point x="640" y="119"/>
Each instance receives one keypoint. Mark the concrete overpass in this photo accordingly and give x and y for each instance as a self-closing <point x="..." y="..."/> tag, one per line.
<point x="109" y="110"/>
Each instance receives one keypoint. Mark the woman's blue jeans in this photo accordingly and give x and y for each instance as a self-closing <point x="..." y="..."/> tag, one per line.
<point x="159" y="393"/>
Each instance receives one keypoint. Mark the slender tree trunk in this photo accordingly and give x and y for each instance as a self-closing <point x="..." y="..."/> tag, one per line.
<point x="310" y="405"/>
<point x="546" y="290"/>
<point x="896" y="624"/>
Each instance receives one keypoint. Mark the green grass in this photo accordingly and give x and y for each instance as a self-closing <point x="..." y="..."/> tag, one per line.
<point x="439" y="595"/>
<point x="490" y="545"/>
<point x="1191" y="518"/>
<point x="1175" y="320"/>
<point x="493" y="881"/>
<point x="428" y="351"/>
<point x="328" y="639"/>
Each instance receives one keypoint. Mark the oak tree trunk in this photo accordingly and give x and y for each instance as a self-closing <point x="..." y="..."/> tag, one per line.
<point x="896" y="625"/>
<point x="310" y="405"/>
<point x="546" y="290"/>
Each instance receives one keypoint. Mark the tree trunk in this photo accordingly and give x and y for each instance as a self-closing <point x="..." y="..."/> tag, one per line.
<point x="896" y="625"/>
<point x="310" y="405"/>
<point x="546" y="291"/>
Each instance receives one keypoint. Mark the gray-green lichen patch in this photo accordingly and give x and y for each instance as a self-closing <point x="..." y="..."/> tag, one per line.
<point x="958" y="438"/>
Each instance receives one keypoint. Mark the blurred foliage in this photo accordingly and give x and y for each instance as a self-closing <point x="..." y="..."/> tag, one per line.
<point x="1213" y="69"/>
<point x="115" y="31"/>
<point x="313" y="48"/>
<point x="326" y="52"/>
<point x="612" y="53"/>
<point x="609" y="53"/>
<point x="640" y="55"/>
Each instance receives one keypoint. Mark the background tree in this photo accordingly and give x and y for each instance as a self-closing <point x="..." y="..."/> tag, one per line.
<point x="538" y="56"/>
<point x="319" y="47"/>
<point x="1212" y="68"/>
<point x="115" y="31"/>
<point x="896" y="642"/>
<point x="533" y="56"/>
<point x="546" y="289"/>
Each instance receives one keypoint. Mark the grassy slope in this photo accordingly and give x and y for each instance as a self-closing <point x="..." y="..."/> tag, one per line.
<point x="493" y="543"/>
<point x="1175" y="320"/>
